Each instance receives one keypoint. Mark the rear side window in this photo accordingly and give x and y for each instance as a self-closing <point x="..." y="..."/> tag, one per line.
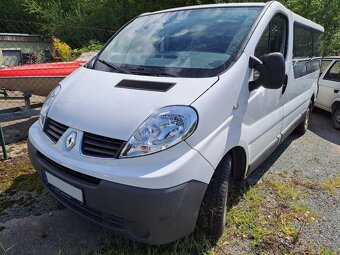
<point x="306" y="46"/>
<point x="274" y="38"/>
<point x="333" y="73"/>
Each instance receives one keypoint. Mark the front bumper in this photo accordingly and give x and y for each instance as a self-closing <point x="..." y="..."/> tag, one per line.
<point x="153" y="216"/>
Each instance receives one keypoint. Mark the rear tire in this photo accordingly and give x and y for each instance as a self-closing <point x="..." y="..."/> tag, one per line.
<point x="336" y="118"/>
<point x="212" y="217"/>
<point x="303" y="126"/>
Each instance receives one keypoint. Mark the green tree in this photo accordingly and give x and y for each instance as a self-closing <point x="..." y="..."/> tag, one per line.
<point x="62" y="17"/>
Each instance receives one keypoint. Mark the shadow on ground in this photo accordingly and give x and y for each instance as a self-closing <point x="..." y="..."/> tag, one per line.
<point x="18" y="130"/>
<point x="321" y="125"/>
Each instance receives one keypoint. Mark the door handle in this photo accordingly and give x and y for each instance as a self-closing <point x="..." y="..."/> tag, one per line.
<point x="336" y="91"/>
<point x="285" y="82"/>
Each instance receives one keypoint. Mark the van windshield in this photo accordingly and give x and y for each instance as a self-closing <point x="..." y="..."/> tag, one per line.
<point x="188" y="43"/>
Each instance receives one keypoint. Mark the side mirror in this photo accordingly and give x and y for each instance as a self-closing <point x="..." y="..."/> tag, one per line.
<point x="272" y="71"/>
<point x="90" y="63"/>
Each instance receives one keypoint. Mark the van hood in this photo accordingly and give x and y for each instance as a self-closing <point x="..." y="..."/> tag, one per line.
<point x="90" y="101"/>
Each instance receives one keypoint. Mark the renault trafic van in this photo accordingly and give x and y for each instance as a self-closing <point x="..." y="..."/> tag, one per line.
<point x="147" y="137"/>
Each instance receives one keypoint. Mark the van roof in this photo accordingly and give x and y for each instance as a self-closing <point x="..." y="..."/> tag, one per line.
<point x="205" y="6"/>
<point x="296" y="17"/>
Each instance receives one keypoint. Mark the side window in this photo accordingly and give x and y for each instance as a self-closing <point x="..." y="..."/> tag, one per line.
<point x="324" y="64"/>
<point x="306" y="45"/>
<point x="302" y="42"/>
<point x="274" y="38"/>
<point x="333" y="74"/>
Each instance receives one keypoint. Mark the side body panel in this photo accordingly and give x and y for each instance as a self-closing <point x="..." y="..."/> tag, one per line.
<point x="299" y="90"/>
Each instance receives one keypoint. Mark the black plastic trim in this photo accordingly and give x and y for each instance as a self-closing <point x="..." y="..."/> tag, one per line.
<point x="67" y="171"/>
<point x="145" y="85"/>
<point x="53" y="129"/>
<point x="100" y="146"/>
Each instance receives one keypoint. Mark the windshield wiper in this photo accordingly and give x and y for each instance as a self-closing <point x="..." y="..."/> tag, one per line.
<point x="113" y="66"/>
<point x="150" y="71"/>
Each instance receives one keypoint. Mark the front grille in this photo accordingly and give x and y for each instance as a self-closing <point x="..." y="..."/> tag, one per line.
<point x="54" y="130"/>
<point x="100" y="146"/>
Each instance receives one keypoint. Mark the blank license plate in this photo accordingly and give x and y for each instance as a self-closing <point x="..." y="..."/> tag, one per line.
<point x="65" y="187"/>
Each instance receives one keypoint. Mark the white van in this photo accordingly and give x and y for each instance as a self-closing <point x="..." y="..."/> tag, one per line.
<point x="148" y="136"/>
<point x="329" y="89"/>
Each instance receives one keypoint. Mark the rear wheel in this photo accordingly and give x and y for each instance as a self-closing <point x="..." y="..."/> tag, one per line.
<point x="303" y="126"/>
<point x="212" y="217"/>
<point x="336" y="117"/>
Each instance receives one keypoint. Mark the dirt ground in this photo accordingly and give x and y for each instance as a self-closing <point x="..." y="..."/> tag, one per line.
<point x="289" y="205"/>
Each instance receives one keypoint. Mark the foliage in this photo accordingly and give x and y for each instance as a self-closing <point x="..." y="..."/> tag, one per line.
<point x="62" y="51"/>
<point x="61" y="17"/>
<point x="92" y="45"/>
<point x="326" y="14"/>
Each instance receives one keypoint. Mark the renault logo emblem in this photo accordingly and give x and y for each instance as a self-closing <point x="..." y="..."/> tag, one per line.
<point x="71" y="140"/>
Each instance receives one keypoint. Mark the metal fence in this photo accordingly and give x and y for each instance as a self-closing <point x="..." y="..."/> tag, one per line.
<point x="33" y="61"/>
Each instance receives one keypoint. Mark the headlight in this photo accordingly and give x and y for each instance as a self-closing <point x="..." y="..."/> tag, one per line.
<point x="47" y="104"/>
<point x="163" y="129"/>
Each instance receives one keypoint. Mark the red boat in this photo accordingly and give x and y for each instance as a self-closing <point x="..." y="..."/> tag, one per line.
<point x="39" y="79"/>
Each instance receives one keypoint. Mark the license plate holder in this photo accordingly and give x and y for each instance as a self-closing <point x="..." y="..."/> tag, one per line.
<point x="65" y="188"/>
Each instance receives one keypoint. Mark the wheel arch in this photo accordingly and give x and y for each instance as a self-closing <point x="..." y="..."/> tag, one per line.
<point x="239" y="162"/>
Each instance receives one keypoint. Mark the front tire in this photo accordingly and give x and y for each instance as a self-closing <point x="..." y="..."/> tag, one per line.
<point x="303" y="126"/>
<point x="212" y="217"/>
<point x="336" y="118"/>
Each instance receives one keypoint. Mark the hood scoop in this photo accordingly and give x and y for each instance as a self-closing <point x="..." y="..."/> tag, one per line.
<point x="145" y="85"/>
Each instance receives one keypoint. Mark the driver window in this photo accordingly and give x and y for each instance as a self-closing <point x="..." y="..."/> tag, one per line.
<point x="274" y="38"/>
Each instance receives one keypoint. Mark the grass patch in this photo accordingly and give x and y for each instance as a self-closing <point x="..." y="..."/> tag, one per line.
<point x="196" y="243"/>
<point x="17" y="174"/>
<point x="247" y="219"/>
<point x="25" y="182"/>
<point x="270" y="217"/>
<point x="332" y="185"/>
<point x="326" y="251"/>
<point x="285" y="192"/>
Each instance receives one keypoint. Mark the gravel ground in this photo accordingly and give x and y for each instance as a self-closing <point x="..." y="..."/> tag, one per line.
<point x="311" y="160"/>
<point x="316" y="157"/>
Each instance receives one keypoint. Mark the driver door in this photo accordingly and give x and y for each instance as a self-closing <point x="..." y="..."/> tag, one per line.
<point x="265" y="106"/>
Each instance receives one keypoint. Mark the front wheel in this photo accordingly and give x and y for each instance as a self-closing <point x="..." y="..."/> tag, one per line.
<point x="303" y="126"/>
<point x="336" y="117"/>
<point x="212" y="217"/>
